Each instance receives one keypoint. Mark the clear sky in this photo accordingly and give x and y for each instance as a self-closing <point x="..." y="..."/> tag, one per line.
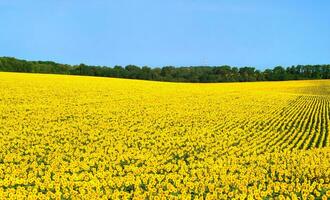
<point x="260" y="33"/>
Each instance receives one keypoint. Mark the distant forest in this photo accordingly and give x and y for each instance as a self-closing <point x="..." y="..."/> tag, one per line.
<point x="202" y="74"/>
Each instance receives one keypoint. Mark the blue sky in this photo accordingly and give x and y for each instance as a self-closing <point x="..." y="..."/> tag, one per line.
<point x="173" y="32"/>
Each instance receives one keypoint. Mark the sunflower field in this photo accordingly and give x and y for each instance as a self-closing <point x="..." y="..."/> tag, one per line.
<point x="74" y="137"/>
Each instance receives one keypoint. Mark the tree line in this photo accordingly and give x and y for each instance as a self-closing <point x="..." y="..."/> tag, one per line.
<point x="203" y="74"/>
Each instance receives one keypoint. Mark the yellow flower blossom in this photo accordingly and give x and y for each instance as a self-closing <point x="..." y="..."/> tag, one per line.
<point x="104" y="138"/>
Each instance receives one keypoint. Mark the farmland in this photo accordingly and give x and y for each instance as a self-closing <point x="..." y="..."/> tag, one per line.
<point x="86" y="137"/>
